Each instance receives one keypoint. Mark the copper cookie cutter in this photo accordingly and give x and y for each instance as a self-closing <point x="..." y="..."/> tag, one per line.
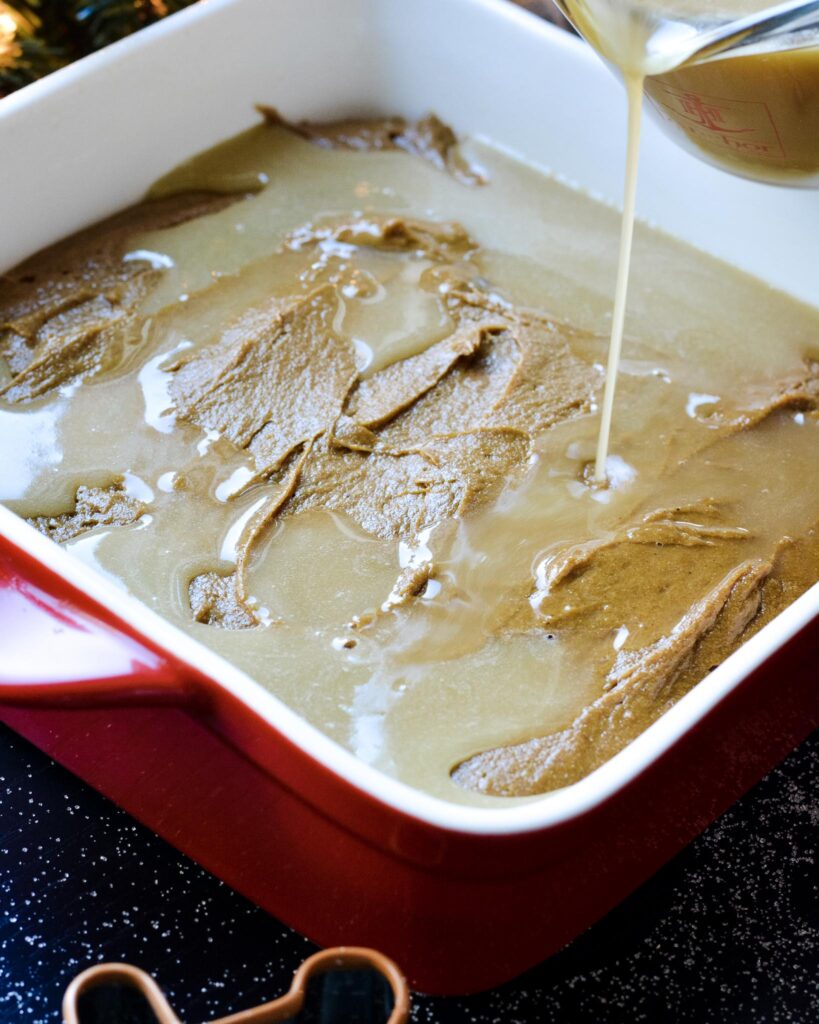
<point x="285" y="1008"/>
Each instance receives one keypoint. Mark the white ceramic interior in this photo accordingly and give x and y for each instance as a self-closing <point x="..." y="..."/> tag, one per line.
<point x="89" y="139"/>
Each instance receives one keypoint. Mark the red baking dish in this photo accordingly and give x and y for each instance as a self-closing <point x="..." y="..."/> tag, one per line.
<point x="462" y="897"/>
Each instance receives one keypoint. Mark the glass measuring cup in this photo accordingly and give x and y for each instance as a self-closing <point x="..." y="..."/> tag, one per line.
<point x="736" y="82"/>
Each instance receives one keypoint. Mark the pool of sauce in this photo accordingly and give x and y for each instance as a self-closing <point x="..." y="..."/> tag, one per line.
<point x="329" y="402"/>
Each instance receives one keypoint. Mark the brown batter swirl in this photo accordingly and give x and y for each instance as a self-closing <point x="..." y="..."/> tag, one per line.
<point x="435" y="436"/>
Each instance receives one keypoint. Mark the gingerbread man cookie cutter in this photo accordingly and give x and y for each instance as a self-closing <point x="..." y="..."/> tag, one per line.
<point x="285" y="1008"/>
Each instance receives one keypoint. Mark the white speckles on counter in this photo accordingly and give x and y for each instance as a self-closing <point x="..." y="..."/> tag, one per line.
<point x="728" y="932"/>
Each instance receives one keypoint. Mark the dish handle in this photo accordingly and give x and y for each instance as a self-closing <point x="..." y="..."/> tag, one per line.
<point x="59" y="647"/>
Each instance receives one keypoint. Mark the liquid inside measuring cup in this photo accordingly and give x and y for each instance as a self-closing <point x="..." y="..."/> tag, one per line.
<point x="755" y="113"/>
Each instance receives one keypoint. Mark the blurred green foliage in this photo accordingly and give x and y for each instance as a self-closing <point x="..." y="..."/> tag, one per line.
<point x="39" y="36"/>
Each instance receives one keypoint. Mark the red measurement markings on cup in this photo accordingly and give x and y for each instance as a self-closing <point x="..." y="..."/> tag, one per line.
<point x="743" y="126"/>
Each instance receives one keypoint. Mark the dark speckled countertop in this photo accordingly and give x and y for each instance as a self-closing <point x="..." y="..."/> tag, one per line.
<point x="727" y="932"/>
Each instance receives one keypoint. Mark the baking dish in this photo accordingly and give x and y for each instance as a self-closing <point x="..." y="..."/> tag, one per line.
<point x="463" y="898"/>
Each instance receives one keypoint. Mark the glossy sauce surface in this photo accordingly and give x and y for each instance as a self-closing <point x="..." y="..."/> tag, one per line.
<point x="476" y="657"/>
